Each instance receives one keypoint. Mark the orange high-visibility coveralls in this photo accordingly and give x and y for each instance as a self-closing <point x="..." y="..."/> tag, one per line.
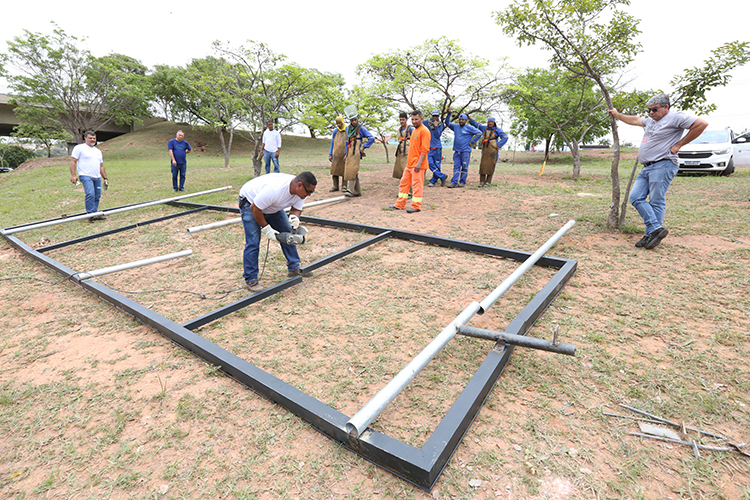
<point x="419" y="147"/>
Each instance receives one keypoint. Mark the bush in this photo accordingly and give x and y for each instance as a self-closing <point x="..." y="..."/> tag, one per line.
<point x="12" y="156"/>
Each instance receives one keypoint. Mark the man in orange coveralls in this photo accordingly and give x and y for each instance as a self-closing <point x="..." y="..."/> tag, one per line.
<point x="416" y="164"/>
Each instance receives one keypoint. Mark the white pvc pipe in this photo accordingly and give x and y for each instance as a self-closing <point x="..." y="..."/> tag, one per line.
<point x="364" y="417"/>
<point x="114" y="211"/>
<point x="237" y="220"/>
<point x="130" y="265"/>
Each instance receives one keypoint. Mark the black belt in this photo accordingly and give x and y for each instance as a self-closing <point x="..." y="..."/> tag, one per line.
<point x="243" y="202"/>
<point x="656" y="161"/>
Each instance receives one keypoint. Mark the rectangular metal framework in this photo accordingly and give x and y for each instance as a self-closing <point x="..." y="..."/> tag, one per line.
<point x="420" y="466"/>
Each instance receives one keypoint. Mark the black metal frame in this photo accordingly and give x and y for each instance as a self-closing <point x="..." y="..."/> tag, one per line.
<point x="420" y="466"/>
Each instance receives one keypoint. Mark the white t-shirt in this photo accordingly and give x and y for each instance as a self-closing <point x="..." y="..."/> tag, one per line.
<point x="89" y="160"/>
<point x="272" y="140"/>
<point x="270" y="193"/>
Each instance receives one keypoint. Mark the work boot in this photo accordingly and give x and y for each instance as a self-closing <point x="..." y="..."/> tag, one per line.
<point x="253" y="286"/>
<point x="442" y="182"/>
<point x="335" y="183"/>
<point x="451" y="186"/>
<point x="412" y="210"/>
<point x="299" y="272"/>
<point x="642" y="242"/>
<point x="393" y="207"/>
<point x="656" y="237"/>
<point x="430" y="184"/>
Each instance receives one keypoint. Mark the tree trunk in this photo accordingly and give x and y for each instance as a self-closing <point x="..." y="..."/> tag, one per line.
<point x="257" y="158"/>
<point x="385" y="146"/>
<point x="613" y="219"/>
<point x="575" y="151"/>
<point x="226" y="147"/>
<point x="627" y="193"/>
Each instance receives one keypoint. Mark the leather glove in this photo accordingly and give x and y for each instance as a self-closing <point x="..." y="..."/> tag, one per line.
<point x="269" y="232"/>
<point x="294" y="221"/>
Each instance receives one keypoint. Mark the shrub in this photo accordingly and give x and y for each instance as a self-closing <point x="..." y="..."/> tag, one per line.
<point x="12" y="156"/>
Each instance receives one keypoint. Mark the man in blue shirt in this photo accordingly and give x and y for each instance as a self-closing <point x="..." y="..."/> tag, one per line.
<point x="435" y="157"/>
<point x="462" y="142"/>
<point x="178" y="150"/>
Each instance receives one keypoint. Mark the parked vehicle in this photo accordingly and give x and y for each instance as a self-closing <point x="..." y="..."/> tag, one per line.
<point x="741" y="145"/>
<point x="712" y="151"/>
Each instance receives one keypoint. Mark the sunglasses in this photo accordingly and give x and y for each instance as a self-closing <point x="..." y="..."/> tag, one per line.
<point x="309" y="193"/>
<point x="653" y="110"/>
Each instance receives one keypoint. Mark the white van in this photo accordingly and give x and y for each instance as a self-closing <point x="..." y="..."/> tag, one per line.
<point x="716" y="151"/>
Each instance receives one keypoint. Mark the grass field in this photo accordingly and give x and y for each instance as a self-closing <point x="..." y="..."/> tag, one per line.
<point x="95" y="405"/>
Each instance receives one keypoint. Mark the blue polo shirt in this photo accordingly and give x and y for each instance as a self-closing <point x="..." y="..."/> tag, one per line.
<point x="179" y="149"/>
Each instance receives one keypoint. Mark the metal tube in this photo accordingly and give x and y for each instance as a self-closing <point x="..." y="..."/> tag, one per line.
<point x="510" y="280"/>
<point x="359" y="422"/>
<point x="237" y="220"/>
<point x="50" y="223"/>
<point x="130" y="265"/>
<point x="519" y="340"/>
<point x="107" y="212"/>
<point x="166" y="200"/>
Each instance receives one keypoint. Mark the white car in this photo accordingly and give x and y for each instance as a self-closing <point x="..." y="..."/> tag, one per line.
<point x="714" y="151"/>
<point x="741" y="156"/>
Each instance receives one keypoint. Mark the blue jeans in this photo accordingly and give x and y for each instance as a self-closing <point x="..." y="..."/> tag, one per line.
<point x="269" y="157"/>
<point x="181" y="169"/>
<point x="435" y="158"/>
<point x="92" y="186"/>
<point x="653" y="182"/>
<point x="460" y="167"/>
<point x="280" y="222"/>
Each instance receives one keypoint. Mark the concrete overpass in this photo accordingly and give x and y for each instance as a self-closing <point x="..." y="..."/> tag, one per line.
<point x="8" y="120"/>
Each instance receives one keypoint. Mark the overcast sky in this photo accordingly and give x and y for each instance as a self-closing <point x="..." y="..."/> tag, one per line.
<point x="335" y="39"/>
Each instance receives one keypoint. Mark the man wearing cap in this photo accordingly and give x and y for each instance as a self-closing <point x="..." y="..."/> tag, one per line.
<point x="493" y="138"/>
<point x="462" y="135"/>
<point x="337" y="153"/>
<point x="271" y="147"/>
<point x="355" y="135"/>
<point x="662" y="140"/>
<point x="435" y="158"/>
<point x="415" y="167"/>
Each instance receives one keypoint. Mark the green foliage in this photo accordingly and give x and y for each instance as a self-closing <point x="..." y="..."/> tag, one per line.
<point x="691" y="85"/>
<point x="590" y="38"/>
<point x="12" y="156"/>
<point x="44" y="136"/>
<point x="58" y="84"/>
<point x="437" y="73"/>
<point x="556" y="102"/>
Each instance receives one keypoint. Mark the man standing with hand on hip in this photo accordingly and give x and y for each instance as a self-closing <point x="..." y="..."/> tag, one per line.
<point x="662" y="140"/>
<point x="416" y="165"/>
<point x="271" y="147"/>
<point x="178" y="150"/>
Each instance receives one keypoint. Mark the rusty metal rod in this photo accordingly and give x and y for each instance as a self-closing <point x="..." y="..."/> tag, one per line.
<point x="519" y="340"/>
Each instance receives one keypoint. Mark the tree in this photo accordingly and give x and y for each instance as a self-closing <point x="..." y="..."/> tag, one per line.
<point x="268" y="89"/>
<point x="376" y="114"/>
<point x="584" y="43"/>
<point x="318" y="109"/>
<point x="557" y="102"/>
<point x="168" y="96"/>
<point x="67" y="86"/>
<point x="46" y="136"/>
<point x="438" y="71"/>
<point x="11" y="156"/>
<point x="691" y="85"/>
<point x="208" y="94"/>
